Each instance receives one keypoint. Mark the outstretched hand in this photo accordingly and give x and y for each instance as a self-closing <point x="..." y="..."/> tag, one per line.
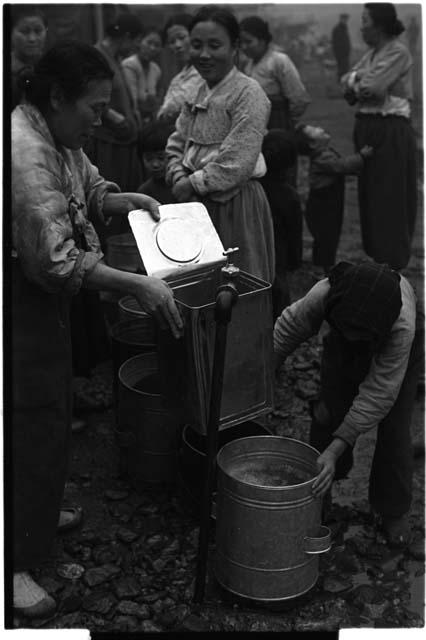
<point x="327" y="466"/>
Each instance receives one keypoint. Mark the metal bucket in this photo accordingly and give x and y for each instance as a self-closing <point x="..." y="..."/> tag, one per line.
<point x="122" y="253"/>
<point x="130" y="309"/>
<point x="129" y="338"/>
<point x="268" y="524"/>
<point x="147" y="430"/>
<point x="192" y="452"/>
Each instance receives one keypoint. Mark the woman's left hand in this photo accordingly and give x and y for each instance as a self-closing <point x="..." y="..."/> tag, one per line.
<point x="183" y="190"/>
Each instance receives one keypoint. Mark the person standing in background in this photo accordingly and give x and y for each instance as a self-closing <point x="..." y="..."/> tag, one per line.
<point x="184" y="86"/>
<point x="275" y="73"/>
<point x="381" y="87"/>
<point x="280" y="153"/>
<point x="143" y="75"/>
<point x="28" y="38"/>
<point x="341" y="45"/>
<point x="113" y="146"/>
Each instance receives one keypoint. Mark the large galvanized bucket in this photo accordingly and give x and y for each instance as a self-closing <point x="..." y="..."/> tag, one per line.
<point x="147" y="430"/>
<point x="268" y="524"/>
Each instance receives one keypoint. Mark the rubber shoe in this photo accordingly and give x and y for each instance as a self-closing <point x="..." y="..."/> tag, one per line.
<point x="29" y="599"/>
<point x="69" y="518"/>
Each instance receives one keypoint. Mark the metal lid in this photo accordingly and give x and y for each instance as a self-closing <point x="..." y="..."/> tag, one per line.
<point x="184" y="239"/>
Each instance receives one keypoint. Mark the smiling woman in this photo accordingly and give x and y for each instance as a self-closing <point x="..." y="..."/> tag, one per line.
<point x="215" y="153"/>
<point x="56" y="195"/>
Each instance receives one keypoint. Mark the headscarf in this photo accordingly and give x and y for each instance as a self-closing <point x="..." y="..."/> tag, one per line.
<point x="364" y="301"/>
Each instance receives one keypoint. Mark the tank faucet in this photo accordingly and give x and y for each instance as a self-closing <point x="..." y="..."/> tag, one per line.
<point x="230" y="271"/>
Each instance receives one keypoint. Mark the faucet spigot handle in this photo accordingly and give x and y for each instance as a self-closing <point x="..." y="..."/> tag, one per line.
<point x="229" y="254"/>
<point x="229" y="269"/>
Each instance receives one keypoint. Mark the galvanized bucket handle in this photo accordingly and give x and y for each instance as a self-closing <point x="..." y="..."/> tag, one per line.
<point x="318" y="541"/>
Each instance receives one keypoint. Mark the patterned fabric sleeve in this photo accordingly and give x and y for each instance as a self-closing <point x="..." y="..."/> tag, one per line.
<point x="43" y="236"/>
<point x="238" y="153"/>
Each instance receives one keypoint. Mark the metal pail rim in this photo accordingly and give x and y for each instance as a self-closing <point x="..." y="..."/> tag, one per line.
<point x="127" y="385"/>
<point x="264" y="438"/>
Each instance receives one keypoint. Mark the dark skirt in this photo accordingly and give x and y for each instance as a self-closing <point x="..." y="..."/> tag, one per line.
<point x="41" y="417"/>
<point x="90" y="343"/>
<point x="387" y="188"/>
<point x="245" y="221"/>
<point x="279" y="117"/>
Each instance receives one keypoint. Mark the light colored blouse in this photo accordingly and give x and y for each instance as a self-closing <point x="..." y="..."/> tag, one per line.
<point x="51" y="184"/>
<point x="218" y="137"/>
<point x="386" y="75"/>
<point x="279" y="78"/>
<point x="143" y="82"/>
<point x="184" y="86"/>
<point x="379" y="390"/>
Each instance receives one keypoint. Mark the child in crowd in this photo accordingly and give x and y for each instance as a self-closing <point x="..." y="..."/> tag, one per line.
<point x="151" y="149"/>
<point x="279" y="151"/>
<point x="326" y="201"/>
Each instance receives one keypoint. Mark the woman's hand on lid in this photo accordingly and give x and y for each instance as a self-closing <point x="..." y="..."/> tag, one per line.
<point x="156" y="298"/>
<point x="141" y="201"/>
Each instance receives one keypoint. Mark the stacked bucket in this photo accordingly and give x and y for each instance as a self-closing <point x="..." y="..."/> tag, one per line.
<point x="146" y="431"/>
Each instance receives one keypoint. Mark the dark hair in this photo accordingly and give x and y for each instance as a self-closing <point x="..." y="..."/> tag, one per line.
<point x="21" y="11"/>
<point x="383" y="15"/>
<point x="179" y="19"/>
<point x="279" y="150"/>
<point x="69" y="65"/>
<point x="147" y="29"/>
<point x="224" y="17"/>
<point x="154" y="137"/>
<point x="124" y="23"/>
<point x="256" y="27"/>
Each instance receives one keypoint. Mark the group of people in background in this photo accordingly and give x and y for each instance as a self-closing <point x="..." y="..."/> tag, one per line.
<point x="93" y="138"/>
